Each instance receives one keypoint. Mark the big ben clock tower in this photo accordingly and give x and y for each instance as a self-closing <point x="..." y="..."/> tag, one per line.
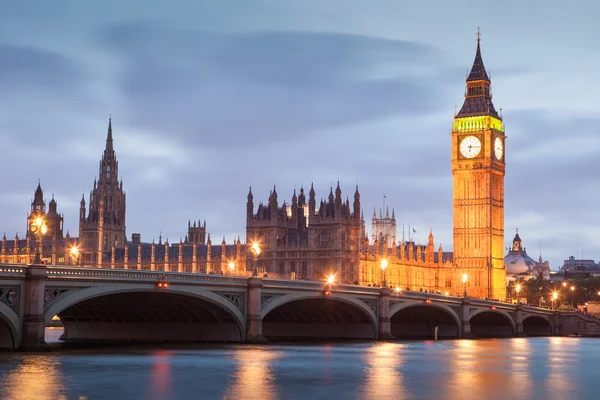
<point x="478" y="165"/>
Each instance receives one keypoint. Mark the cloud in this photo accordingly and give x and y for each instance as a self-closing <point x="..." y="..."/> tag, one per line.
<point x="247" y="89"/>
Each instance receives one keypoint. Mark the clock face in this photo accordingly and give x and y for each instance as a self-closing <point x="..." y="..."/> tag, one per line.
<point x="498" y="148"/>
<point x="470" y="147"/>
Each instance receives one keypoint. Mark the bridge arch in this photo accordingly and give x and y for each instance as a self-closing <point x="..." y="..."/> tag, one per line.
<point x="537" y="325"/>
<point x="130" y="312"/>
<point x="9" y="333"/>
<point x="486" y="322"/>
<point x="316" y="316"/>
<point x="416" y="319"/>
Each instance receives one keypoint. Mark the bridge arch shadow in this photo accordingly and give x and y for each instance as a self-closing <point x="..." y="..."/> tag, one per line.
<point x="492" y="323"/>
<point x="537" y="325"/>
<point x="314" y="316"/>
<point x="417" y="320"/>
<point x="147" y="315"/>
<point x="9" y="334"/>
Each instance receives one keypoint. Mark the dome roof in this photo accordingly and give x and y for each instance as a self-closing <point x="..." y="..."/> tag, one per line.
<point x="518" y="263"/>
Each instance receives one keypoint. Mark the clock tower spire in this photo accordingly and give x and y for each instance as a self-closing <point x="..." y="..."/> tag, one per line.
<point x="478" y="168"/>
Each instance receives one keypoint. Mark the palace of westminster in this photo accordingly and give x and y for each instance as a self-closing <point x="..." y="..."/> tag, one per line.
<point x="303" y="239"/>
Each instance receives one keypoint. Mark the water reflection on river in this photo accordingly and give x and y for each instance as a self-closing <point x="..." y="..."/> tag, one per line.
<point x="536" y="368"/>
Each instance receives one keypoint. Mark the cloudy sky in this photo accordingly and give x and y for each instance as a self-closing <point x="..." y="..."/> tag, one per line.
<point x="208" y="97"/>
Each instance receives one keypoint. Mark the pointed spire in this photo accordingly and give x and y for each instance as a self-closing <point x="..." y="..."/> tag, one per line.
<point x="393" y="214"/>
<point x="478" y="98"/>
<point x="38" y="197"/>
<point x="109" y="138"/>
<point x="478" y="71"/>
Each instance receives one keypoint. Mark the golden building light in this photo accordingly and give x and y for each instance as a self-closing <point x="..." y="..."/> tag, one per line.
<point x="384" y="265"/>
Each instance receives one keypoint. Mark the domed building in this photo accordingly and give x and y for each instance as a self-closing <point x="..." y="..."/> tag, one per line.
<point x="519" y="266"/>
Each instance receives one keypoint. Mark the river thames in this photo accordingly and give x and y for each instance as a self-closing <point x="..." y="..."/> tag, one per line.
<point x="518" y="368"/>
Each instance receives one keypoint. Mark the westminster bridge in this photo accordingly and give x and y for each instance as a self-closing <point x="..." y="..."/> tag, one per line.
<point x="127" y="305"/>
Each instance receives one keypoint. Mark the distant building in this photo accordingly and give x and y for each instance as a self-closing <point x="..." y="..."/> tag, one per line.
<point x="578" y="268"/>
<point x="519" y="266"/>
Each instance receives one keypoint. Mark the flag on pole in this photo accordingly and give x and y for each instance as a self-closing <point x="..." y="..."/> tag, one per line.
<point x="414" y="230"/>
<point x="384" y="196"/>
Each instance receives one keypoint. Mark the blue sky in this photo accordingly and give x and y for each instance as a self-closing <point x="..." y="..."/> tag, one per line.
<point x="209" y="97"/>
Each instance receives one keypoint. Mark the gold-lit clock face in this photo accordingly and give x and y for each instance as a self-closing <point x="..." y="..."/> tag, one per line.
<point x="470" y="147"/>
<point x="498" y="148"/>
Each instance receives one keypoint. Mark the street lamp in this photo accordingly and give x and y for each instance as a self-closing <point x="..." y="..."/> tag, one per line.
<point x="39" y="229"/>
<point x="330" y="281"/>
<point x="255" y="253"/>
<point x="74" y="253"/>
<point x="573" y="296"/>
<point x="554" y="297"/>
<point x="231" y="267"/>
<point x="465" y="278"/>
<point x="384" y="265"/>
<point x="518" y="288"/>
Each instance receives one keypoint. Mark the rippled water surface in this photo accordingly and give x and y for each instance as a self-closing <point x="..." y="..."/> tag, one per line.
<point x="533" y="368"/>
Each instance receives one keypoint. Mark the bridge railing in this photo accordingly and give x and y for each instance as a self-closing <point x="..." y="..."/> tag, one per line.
<point x="95" y="274"/>
<point x="13" y="271"/>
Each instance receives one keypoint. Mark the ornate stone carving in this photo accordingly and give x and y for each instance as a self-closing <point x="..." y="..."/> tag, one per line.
<point x="372" y="303"/>
<point x="392" y="303"/>
<point x="9" y="295"/>
<point x="265" y="298"/>
<point x="51" y="294"/>
<point x="237" y="298"/>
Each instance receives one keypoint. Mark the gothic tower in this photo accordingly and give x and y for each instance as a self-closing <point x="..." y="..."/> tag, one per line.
<point x="383" y="229"/>
<point x="478" y="167"/>
<point x="104" y="225"/>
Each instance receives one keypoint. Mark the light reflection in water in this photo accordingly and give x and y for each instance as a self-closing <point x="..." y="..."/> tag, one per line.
<point x="253" y="378"/>
<point x="560" y="355"/>
<point x="383" y="376"/>
<point x="161" y="375"/>
<point x="477" y="369"/>
<point x="36" y="378"/>
<point x="520" y="368"/>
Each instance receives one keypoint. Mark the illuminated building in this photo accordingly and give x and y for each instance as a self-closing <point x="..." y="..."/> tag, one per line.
<point x="305" y="240"/>
<point x="478" y="168"/>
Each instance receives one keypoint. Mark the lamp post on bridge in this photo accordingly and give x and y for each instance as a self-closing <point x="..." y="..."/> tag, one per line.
<point x="465" y="278"/>
<point x="384" y="265"/>
<point x="518" y="288"/>
<point x="39" y="229"/>
<point x="554" y="297"/>
<point x="231" y="267"/>
<point x="74" y="253"/>
<point x="573" y="296"/>
<point x="255" y="252"/>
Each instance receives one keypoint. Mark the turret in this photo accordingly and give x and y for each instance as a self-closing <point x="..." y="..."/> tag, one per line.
<point x="356" y="204"/>
<point x="338" y="197"/>
<point x="38" y="205"/>
<point x="301" y="198"/>
<point x="223" y="249"/>
<point x="250" y="205"/>
<point x="312" y="202"/>
<point x="273" y="202"/>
